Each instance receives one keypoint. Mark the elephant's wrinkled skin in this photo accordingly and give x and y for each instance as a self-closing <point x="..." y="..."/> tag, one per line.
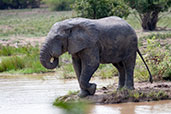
<point x="91" y="42"/>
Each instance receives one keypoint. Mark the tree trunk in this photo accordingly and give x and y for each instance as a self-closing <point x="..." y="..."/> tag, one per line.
<point x="149" y="20"/>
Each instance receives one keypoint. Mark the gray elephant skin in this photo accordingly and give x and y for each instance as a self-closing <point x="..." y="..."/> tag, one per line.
<point x="91" y="42"/>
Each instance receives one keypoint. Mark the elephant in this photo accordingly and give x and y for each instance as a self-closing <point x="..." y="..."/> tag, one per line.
<point x="109" y="40"/>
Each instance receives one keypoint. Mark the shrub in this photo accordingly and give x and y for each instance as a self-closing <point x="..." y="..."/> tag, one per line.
<point x="100" y="8"/>
<point x="59" y="5"/>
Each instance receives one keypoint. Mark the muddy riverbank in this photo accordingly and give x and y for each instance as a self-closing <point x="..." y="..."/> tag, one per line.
<point x="110" y="95"/>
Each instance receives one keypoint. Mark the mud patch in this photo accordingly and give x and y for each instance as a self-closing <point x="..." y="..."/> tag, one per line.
<point x="110" y="95"/>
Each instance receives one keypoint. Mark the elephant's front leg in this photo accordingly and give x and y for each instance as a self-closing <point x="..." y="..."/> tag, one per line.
<point x="89" y="64"/>
<point x="77" y="67"/>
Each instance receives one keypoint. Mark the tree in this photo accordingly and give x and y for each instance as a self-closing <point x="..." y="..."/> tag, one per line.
<point x="100" y="8"/>
<point x="149" y="10"/>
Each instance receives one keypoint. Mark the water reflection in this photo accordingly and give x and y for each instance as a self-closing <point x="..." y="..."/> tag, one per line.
<point x="157" y="107"/>
<point x="34" y="94"/>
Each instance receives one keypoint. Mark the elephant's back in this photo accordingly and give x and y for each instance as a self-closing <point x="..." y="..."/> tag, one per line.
<point x="111" y="21"/>
<point x="114" y="23"/>
<point x="117" y="39"/>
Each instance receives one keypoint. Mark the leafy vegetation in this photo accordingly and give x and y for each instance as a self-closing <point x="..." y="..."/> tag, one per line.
<point x="100" y="8"/>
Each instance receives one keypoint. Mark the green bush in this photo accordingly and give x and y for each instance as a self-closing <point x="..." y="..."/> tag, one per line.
<point x="19" y="4"/>
<point x="100" y="8"/>
<point x="59" y="5"/>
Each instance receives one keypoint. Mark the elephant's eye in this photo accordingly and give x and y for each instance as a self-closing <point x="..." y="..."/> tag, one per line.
<point x="51" y="60"/>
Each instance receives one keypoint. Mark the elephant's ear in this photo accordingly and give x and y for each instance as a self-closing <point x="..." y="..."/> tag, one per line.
<point x="83" y="35"/>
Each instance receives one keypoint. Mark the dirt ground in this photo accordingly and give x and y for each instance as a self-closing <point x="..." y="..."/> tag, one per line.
<point x="144" y="91"/>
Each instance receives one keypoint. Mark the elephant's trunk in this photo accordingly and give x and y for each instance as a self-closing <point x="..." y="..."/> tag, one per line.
<point x="46" y="59"/>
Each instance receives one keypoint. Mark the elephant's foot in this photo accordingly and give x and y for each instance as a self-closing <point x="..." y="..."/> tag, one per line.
<point x="90" y="91"/>
<point x="83" y="93"/>
<point x="92" y="88"/>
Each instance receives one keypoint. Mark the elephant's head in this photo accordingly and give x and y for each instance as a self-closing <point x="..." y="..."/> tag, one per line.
<point x="71" y="35"/>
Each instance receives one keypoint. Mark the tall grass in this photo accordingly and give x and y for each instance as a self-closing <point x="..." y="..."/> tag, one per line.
<point x="11" y="63"/>
<point x="24" y="59"/>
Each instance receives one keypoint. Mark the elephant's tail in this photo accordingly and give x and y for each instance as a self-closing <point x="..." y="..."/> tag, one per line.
<point x="150" y="78"/>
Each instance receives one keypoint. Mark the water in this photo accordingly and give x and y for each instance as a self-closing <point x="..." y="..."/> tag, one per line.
<point x="34" y="94"/>
<point x="157" y="107"/>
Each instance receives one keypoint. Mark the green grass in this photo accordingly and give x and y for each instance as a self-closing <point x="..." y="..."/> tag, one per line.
<point x="29" y="22"/>
<point x="11" y="63"/>
<point x="23" y="60"/>
<point x="10" y="50"/>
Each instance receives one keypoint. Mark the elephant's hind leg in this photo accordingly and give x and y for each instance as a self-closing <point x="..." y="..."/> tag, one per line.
<point x="129" y="66"/>
<point x="121" y="69"/>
